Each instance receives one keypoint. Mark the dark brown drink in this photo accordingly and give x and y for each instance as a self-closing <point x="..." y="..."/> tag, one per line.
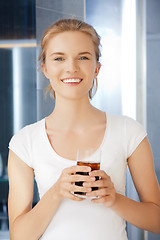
<point x="94" y="166"/>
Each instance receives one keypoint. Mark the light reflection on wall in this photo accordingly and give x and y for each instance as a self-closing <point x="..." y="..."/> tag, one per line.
<point x="128" y="61"/>
<point x="23" y="79"/>
<point x="117" y="78"/>
<point x="109" y="79"/>
<point x="17" y="75"/>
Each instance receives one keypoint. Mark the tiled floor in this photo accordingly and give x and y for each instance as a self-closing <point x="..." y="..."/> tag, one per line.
<point x="4" y="235"/>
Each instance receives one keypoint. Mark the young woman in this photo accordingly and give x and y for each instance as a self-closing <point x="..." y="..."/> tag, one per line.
<point x="47" y="151"/>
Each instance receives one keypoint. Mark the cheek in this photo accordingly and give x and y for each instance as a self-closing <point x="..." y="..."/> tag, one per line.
<point x="92" y="73"/>
<point x="52" y="71"/>
<point x="90" y="68"/>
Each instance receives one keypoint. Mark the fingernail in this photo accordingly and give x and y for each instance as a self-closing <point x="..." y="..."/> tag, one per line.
<point x="88" y="194"/>
<point x="92" y="178"/>
<point x="88" y="169"/>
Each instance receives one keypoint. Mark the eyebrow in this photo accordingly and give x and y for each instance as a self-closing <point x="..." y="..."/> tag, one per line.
<point x="56" y="53"/>
<point x="84" y="53"/>
<point x="61" y="53"/>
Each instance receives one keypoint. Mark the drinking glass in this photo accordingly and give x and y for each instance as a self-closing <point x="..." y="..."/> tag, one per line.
<point x="91" y="158"/>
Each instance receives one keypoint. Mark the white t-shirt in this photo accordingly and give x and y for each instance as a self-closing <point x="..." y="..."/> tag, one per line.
<point x="81" y="220"/>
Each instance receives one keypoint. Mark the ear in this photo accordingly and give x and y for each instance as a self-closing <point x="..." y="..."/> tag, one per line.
<point x="44" y="70"/>
<point x="97" y="69"/>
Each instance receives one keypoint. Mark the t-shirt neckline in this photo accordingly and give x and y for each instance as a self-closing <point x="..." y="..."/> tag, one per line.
<point x="53" y="152"/>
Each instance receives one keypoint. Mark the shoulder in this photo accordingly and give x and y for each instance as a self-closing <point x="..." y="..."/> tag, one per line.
<point x="23" y="141"/>
<point x="127" y="131"/>
<point x="123" y="121"/>
<point x="29" y="131"/>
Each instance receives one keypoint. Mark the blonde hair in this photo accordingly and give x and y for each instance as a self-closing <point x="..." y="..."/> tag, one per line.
<point x="70" y="25"/>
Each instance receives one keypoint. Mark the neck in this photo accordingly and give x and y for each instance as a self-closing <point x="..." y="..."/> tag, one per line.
<point x="70" y="114"/>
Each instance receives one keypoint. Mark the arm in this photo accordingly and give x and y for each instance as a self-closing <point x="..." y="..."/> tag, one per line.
<point x="144" y="214"/>
<point x="30" y="223"/>
<point x="25" y="223"/>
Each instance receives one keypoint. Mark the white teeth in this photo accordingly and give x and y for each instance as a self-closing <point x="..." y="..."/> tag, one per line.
<point x="71" y="80"/>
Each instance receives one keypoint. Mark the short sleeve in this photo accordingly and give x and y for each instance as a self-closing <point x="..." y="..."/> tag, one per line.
<point x="135" y="133"/>
<point x="20" y="145"/>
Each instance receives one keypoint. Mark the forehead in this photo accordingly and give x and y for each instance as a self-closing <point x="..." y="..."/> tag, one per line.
<point x="69" y="41"/>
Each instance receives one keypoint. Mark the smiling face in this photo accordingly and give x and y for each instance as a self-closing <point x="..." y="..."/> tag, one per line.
<point x="71" y="64"/>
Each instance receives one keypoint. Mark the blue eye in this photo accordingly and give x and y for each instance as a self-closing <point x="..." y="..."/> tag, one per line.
<point x="84" y="58"/>
<point x="58" y="59"/>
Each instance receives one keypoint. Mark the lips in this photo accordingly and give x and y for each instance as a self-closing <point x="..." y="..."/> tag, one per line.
<point x="71" y="80"/>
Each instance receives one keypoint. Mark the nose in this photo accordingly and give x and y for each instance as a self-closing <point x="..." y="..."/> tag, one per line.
<point x="72" y="66"/>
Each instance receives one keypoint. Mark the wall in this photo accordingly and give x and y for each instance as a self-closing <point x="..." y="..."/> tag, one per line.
<point x="153" y="84"/>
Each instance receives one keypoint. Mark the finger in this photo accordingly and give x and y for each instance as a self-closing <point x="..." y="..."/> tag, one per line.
<point x="66" y="191"/>
<point x="74" y="169"/>
<point x="73" y="197"/>
<point x="102" y="183"/>
<point x="80" y="178"/>
<point x="68" y="187"/>
<point x="107" y="200"/>
<point x="76" y="188"/>
<point x="100" y="192"/>
<point x="99" y="173"/>
<point x="103" y="199"/>
<point x="97" y="183"/>
<point x="95" y="193"/>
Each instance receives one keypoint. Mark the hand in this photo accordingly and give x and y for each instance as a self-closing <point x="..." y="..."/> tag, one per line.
<point x="66" y="183"/>
<point x="106" y="192"/>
